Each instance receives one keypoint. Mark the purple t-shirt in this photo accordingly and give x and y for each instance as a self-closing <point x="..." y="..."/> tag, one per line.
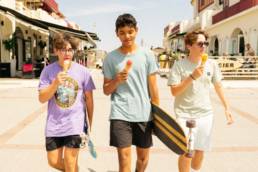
<point x="67" y="108"/>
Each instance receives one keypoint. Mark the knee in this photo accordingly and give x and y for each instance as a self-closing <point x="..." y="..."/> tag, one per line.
<point x="70" y="164"/>
<point x="124" y="157"/>
<point x="143" y="160"/>
<point x="53" y="163"/>
<point x="197" y="160"/>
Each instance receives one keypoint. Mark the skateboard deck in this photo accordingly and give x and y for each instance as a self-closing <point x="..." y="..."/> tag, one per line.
<point x="169" y="131"/>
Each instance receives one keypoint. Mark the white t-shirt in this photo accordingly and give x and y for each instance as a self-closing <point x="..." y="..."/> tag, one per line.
<point x="194" y="102"/>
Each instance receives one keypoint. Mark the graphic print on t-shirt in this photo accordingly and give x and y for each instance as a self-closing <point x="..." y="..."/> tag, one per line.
<point x="66" y="93"/>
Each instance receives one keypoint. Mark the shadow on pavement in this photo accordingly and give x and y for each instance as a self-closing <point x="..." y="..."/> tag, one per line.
<point x="91" y="170"/>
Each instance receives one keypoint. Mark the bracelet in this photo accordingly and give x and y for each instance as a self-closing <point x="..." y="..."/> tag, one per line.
<point x="192" y="77"/>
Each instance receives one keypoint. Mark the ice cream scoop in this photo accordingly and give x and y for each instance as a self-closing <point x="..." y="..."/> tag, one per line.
<point x="204" y="58"/>
<point x="66" y="65"/>
<point x="128" y="65"/>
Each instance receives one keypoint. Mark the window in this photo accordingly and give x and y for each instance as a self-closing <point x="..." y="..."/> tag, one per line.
<point x="202" y="4"/>
<point x="225" y="3"/>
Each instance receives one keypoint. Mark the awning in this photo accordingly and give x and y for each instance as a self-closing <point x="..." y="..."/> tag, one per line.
<point x="176" y="35"/>
<point x="34" y="27"/>
<point x="79" y="33"/>
<point x="91" y="37"/>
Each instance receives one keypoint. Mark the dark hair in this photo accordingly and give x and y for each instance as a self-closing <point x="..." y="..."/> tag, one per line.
<point x="192" y="37"/>
<point x="61" y="40"/>
<point x="125" y="20"/>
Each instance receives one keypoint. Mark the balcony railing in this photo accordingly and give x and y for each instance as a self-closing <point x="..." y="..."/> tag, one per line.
<point x="233" y="10"/>
<point x="232" y="67"/>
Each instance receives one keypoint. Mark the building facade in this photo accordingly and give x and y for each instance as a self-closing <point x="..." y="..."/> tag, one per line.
<point x="26" y="29"/>
<point x="230" y="24"/>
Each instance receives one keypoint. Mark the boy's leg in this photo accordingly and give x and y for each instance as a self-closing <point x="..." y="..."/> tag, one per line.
<point x="142" y="139"/>
<point x="124" y="157"/>
<point x="71" y="159"/>
<point x="203" y="140"/>
<point x="184" y="163"/>
<point x="142" y="158"/>
<point x="121" y="138"/>
<point x="71" y="153"/>
<point x="54" y="147"/>
<point x="55" y="159"/>
<point x="197" y="159"/>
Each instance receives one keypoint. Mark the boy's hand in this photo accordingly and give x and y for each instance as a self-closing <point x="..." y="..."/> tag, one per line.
<point x="60" y="78"/>
<point x="197" y="72"/>
<point x="229" y="117"/>
<point x="121" y="77"/>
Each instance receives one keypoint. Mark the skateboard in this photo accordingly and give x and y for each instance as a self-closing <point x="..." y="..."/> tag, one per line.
<point x="170" y="132"/>
<point x="86" y="141"/>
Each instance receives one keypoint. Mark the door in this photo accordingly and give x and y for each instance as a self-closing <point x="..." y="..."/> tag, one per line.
<point x="241" y="47"/>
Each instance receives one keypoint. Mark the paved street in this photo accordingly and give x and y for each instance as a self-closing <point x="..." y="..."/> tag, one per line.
<point x="22" y="121"/>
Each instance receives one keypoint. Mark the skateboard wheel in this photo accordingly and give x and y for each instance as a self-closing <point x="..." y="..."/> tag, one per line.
<point x="190" y="123"/>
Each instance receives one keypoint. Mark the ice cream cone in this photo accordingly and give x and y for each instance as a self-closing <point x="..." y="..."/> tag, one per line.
<point x="204" y="58"/>
<point x="128" y="65"/>
<point x="66" y="65"/>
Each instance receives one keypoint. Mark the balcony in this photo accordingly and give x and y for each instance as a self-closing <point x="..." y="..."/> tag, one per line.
<point x="233" y="10"/>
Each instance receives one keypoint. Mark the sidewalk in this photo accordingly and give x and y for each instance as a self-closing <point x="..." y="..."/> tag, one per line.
<point x="22" y="121"/>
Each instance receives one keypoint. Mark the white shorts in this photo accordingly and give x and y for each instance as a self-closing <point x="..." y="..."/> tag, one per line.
<point x="201" y="132"/>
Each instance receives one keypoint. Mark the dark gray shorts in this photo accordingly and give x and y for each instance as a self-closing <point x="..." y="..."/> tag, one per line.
<point x="53" y="143"/>
<point x="124" y="134"/>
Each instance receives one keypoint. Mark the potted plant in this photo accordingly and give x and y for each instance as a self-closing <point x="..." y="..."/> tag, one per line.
<point x="42" y="44"/>
<point x="9" y="43"/>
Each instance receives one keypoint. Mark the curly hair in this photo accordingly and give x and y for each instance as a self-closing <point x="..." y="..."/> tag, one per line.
<point x="191" y="37"/>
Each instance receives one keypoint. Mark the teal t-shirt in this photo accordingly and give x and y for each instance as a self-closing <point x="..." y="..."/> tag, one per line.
<point x="194" y="102"/>
<point x="131" y="100"/>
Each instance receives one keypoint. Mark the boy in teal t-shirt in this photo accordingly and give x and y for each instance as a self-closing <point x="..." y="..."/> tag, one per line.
<point x="132" y="90"/>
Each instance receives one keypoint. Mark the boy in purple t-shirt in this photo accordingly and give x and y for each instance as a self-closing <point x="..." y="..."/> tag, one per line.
<point x="67" y="86"/>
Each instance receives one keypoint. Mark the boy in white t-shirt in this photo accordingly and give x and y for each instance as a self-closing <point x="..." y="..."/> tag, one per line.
<point x="190" y="81"/>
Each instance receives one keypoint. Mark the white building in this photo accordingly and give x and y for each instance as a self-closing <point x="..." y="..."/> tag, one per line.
<point x="230" y="23"/>
<point x="26" y="28"/>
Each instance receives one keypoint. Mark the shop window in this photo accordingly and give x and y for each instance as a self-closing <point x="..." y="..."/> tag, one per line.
<point x="28" y="50"/>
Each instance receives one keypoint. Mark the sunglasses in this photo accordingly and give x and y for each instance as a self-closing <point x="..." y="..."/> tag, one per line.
<point x="201" y="44"/>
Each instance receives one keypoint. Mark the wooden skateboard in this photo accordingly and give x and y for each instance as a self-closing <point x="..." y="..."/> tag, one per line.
<point x="170" y="132"/>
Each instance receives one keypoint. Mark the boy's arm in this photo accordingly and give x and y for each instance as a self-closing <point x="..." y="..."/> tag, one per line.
<point x="47" y="93"/>
<point x="89" y="106"/>
<point x="184" y="84"/>
<point x="110" y="85"/>
<point x="154" y="94"/>
<point x="219" y="91"/>
<point x="181" y="87"/>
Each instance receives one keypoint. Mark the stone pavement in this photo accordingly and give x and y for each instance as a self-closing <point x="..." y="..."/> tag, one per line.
<point x="22" y="121"/>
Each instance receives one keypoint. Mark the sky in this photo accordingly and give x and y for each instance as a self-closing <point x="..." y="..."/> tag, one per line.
<point x="152" y="16"/>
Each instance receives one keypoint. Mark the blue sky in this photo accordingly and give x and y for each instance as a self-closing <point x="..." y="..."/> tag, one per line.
<point x="99" y="16"/>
